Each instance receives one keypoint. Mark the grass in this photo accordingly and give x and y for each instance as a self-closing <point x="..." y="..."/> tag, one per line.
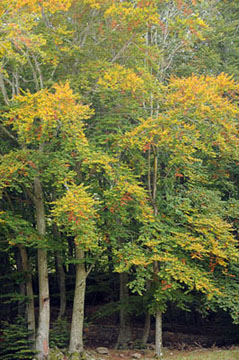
<point x="203" y="354"/>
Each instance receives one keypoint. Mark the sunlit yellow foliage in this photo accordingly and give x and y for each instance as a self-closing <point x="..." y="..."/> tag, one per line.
<point x="121" y="79"/>
<point x="76" y="212"/>
<point x="200" y="113"/>
<point x="198" y="119"/>
<point x="36" y="6"/>
<point x="97" y="4"/>
<point x="135" y="17"/>
<point x="41" y="116"/>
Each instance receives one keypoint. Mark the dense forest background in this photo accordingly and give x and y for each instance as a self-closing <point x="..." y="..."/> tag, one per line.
<point x="119" y="171"/>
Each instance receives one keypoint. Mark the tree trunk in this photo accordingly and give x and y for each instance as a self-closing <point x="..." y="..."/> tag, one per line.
<point x="71" y="254"/>
<point x="147" y="324"/>
<point x="158" y="334"/>
<point x="61" y="277"/>
<point x="124" y="331"/>
<point x="42" y="340"/>
<point x="147" y="321"/>
<point x="29" y="292"/>
<point x="76" y="336"/>
<point x="21" y="308"/>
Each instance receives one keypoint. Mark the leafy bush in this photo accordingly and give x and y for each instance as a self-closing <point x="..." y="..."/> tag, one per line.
<point x="60" y="334"/>
<point x="14" y="342"/>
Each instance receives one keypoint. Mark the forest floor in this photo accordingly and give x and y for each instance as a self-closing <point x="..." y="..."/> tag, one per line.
<point x="196" y="354"/>
<point x="178" y="347"/>
<point x="181" y="343"/>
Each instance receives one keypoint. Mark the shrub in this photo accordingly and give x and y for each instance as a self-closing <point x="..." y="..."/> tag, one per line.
<point x="60" y="334"/>
<point x="14" y="342"/>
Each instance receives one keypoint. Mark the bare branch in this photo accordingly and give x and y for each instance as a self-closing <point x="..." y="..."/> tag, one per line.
<point x="39" y="71"/>
<point x="5" y="131"/>
<point x="44" y="17"/>
<point x="89" y="270"/>
<point x="30" y="195"/>
<point x="3" y="89"/>
<point x="17" y="87"/>
<point x="155" y="179"/>
<point x="149" y="174"/>
<point x="120" y="52"/>
<point x="33" y="70"/>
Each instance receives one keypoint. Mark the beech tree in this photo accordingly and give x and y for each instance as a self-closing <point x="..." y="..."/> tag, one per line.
<point x="148" y="170"/>
<point x="76" y="211"/>
<point x="34" y="52"/>
<point x="123" y="209"/>
<point x="178" y="153"/>
<point x="42" y="123"/>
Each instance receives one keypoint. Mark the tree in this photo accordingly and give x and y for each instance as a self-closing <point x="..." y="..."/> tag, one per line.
<point x="118" y="56"/>
<point x="42" y="123"/>
<point x="76" y="211"/>
<point x="123" y="210"/>
<point x="197" y="124"/>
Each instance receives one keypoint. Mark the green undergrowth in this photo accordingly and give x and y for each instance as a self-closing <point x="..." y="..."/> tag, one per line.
<point x="15" y="343"/>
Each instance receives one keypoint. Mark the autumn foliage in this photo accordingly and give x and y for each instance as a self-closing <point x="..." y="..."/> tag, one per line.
<point x="119" y="154"/>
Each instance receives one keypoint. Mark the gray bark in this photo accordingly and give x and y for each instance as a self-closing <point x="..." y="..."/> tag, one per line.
<point x="158" y="335"/>
<point x="76" y="336"/>
<point x="60" y="272"/>
<point x="42" y="339"/>
<point x="158" y="316"/>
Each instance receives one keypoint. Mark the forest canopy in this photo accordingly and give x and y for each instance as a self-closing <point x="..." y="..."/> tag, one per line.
<point x="119" y="161"/>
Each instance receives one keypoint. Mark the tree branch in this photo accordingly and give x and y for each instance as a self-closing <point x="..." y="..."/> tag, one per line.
<point x="31" y="195"/>
<point x="39" y="71"/>
<point x="5" y="131"/>
<point x="124" y="47"/>
<point x="3" y="89"/>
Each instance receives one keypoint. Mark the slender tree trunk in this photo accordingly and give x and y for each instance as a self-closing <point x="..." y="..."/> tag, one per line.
<point x="158" y="324"/>
<point x="42" y="339"/>
<point x="71" y="254"/>
<point x="158" y="316"/>
<point x="76" y="336"/>
<point x="124" y="331"/>
<point x="61" y="277"/>
<point x="147" y="323"/>
<point x="29" y="292"/>
<point x="158" y="334"/>
<point x="21" y="308"/>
